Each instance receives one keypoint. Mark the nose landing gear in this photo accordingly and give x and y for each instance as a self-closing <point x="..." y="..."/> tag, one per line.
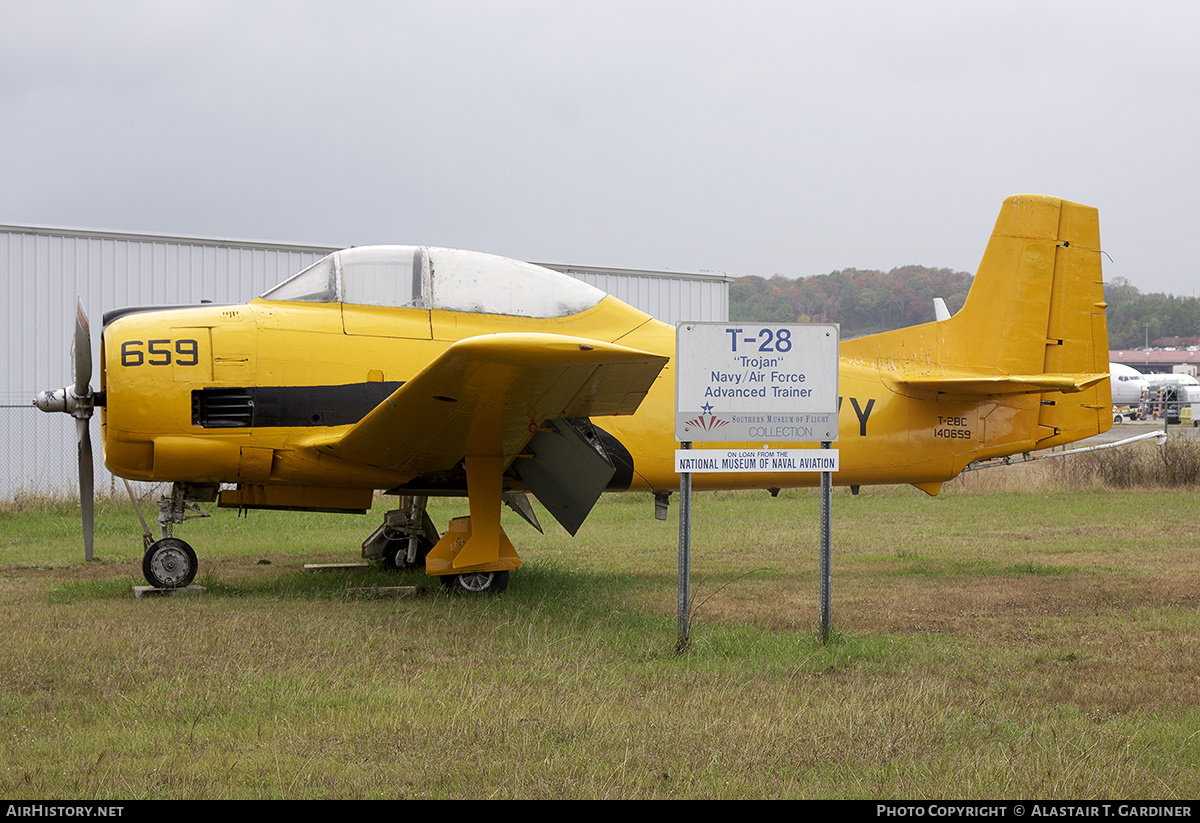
<point x="170" y="563"/>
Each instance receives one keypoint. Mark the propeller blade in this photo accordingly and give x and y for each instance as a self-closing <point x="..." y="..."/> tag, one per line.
<point x="81" y="352"/>
<point x="86" y="485"/>
<point x="77" y="401"/>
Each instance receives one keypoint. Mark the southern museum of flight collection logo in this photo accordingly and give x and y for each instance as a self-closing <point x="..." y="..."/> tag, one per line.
<point x="709" y="422"/>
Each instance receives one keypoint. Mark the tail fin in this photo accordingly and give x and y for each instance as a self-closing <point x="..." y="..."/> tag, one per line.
<point x="1033" y="324"/>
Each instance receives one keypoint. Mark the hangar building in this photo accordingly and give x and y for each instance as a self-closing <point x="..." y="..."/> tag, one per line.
<point x="43" y="270"/>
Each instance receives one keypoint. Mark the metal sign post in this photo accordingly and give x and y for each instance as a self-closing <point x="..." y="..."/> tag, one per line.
<point x="685" y="557"/>
<point x="826" y="565"/>
<point x="755" y="383"/>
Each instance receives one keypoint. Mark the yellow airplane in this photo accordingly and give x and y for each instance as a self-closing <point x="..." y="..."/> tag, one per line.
<point x="426" y="372"/>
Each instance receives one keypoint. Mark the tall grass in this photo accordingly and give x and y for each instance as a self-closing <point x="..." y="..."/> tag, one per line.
<point x="31" y="499"/>
<point x="1175" y="464"/>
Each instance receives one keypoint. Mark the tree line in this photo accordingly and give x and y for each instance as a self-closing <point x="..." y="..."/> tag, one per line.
<point x="869" y="301"/>
<point x="1163" y="319"/>
<point x="862" y="301"/>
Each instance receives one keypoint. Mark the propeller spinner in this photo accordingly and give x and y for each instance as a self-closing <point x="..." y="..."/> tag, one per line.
<point x="77" y="400"/>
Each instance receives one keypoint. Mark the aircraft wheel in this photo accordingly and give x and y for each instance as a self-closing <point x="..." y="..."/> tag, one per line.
<point x="476" y="582"/>
<point x="395" y="553"/>
<point x="169" y="564"/>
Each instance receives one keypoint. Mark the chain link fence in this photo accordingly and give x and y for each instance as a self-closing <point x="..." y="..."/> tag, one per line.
<point x="39" y="457"/>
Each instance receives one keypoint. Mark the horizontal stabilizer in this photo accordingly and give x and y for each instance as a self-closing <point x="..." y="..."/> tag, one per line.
<point x="1000" y="385"/>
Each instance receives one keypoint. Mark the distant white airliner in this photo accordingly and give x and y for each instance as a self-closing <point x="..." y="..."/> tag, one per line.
<point x="1166" y="395"/>
<point x="1128" y="384"/>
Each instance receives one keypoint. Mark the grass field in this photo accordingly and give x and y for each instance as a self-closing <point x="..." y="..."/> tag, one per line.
<point x="1007" y="639"/>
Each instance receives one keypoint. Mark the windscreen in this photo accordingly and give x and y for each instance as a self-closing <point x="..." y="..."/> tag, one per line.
<point x="316" y="284"/>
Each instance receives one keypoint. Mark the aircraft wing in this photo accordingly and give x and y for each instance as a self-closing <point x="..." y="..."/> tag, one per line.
<point x="488" y="395"/>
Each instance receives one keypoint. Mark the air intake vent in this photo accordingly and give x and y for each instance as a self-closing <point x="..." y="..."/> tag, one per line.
<point x="222" y="408"/>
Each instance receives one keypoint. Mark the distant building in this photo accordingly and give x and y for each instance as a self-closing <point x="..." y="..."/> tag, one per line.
<point x="1156" y="361"/>
<point x="44" y="269"/>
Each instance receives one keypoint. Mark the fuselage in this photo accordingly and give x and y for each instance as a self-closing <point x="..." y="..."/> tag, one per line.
<point x="236" y="394"/>
<point x="1129" y="386"/>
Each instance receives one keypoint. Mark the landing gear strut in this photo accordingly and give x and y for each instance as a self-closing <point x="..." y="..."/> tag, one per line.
<point x="405" y="537"/>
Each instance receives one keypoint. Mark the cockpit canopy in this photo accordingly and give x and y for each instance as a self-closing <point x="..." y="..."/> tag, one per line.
<point x="431" y="278"/>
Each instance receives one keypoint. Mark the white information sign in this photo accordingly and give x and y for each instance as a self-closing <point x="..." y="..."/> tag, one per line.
<point x="756" y="460"/>
<point x="742" y="381"/>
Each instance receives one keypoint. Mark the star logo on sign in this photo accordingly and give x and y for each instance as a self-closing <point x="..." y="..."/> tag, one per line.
<point x="713" y="422"/>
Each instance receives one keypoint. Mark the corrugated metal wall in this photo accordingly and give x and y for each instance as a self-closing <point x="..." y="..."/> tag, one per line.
<point x="43" y="270"/>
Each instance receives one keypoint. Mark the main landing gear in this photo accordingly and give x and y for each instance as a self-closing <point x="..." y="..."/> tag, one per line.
<point x="473" y="556"/>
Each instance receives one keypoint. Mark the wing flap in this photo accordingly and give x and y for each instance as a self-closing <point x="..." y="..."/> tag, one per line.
<point x="488" y="395"/>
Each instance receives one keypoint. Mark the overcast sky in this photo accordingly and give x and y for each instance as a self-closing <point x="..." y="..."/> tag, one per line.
<point x="749" y="138"/>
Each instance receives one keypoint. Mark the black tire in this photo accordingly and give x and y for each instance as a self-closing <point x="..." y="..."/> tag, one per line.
<point x="476" y="582"/>
<point x="169" y="564"/>
<point x="395" y="553"/>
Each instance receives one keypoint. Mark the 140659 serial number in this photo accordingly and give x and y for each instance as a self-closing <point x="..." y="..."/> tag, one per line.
<point x="952" y="428"/>
<point x="185" y="352"/>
